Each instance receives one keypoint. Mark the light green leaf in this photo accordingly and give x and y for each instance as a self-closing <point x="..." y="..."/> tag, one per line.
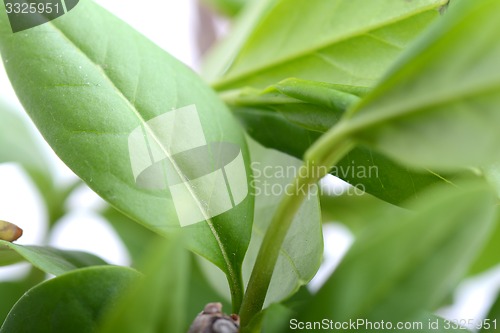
<point x="73" y="302"/>
<point x="91" y="91"/>
<point x="48" y="259"/>
<point x="157" y="302"/>
<point x="438" y="107"/>
<point x="302" y="250"/>
<point x="405" y="266"/>
<point x="327" y="40"/>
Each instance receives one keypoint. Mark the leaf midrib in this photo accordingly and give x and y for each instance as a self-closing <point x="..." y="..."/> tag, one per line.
<point x="328" y="43"/>
<point x="209" y="222"/>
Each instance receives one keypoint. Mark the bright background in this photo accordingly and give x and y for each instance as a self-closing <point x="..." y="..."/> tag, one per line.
<point x="173" y="25"/>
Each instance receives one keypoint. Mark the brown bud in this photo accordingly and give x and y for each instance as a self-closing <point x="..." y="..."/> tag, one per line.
<point x="9" y="232"/>
<point x="212" y="320"/>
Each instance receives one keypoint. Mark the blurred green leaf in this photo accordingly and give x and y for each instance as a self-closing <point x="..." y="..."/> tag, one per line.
<point x="17" y="143"/>
<point x="73" y="302"/>
<point x="345" y="209"/>
<point x="219" y="57"/>
<point x="326" y="40"/>
<point x="302" y="250"/>
<point x="11" y="291"/>
<point x="88" y="94"/>
<point x="490" y="255"/>
<point x="157" y="302"/>
<point x="398" y="269"/>
<point x="227" y="7"/>
<point x="135" y="236"/>
<point x="47" y="259"/>
<point x="438" y="107"/>
<point x="492" y="320"/>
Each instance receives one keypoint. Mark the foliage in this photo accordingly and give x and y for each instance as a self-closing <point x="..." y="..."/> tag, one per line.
<point x="398" y="98"/>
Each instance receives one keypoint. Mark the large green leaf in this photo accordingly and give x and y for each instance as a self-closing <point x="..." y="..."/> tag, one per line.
<point x="90" y="83"/>
<point x="156" y="303"/>
<point x="438" y="107"/>
<point x="327" y="40"/>
<point x="302" y="250"/>
<point x="291" y="115"/>
<point x="73" y="302"/>
<point x="47" y="259"/>
<point x="405" y="266"/>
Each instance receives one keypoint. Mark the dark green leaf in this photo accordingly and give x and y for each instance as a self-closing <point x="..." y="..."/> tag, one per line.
<point x="405" y="266"/>
<point x="292" y="114"/>
<point x="325" y="40"/>
<point x="91" y="90"/>
<point x="73" y="302"/>
<point x="47" y="259"/>
<point x="12" y="291"/>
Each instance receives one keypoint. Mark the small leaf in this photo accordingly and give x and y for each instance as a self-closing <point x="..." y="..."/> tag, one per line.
<point x="324" y="40"/>
<point x="73" y="302"/>
<point x="412" y="263"/>
<point x="47" y="259"/>
<point x="438" y="107"/>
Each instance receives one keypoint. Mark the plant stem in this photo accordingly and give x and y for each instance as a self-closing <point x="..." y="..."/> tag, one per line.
<point x="315" y="167"/>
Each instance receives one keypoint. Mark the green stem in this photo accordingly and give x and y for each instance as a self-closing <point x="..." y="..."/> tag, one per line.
<point x="316" y="166"/>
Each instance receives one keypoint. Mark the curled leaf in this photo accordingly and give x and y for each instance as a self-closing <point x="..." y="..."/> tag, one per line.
<point x="9" y="232"/>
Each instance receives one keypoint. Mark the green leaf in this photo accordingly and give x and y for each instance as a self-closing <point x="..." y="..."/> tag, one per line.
<point x="90" y="91"/>
<point x="302" y="250"/>
<point x="438" y="107"/>
<point x="12" y="291"/>
<point x="220" y="56"/>
<point x="345" y="209"/>
<point x="157" y="302"/>
<point x="490" y="255"/>
<point x="303" y="110"/>
<point x="17" y="143"/>
<point x="327" y="40"/>
<point x="132" y="234"/>
<point x="47" y="259"/>
<point x="493" y="318"/>
<point x="398" y="269"/>
<point x="73" y="302"/>
<point x="227" y="7"/>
